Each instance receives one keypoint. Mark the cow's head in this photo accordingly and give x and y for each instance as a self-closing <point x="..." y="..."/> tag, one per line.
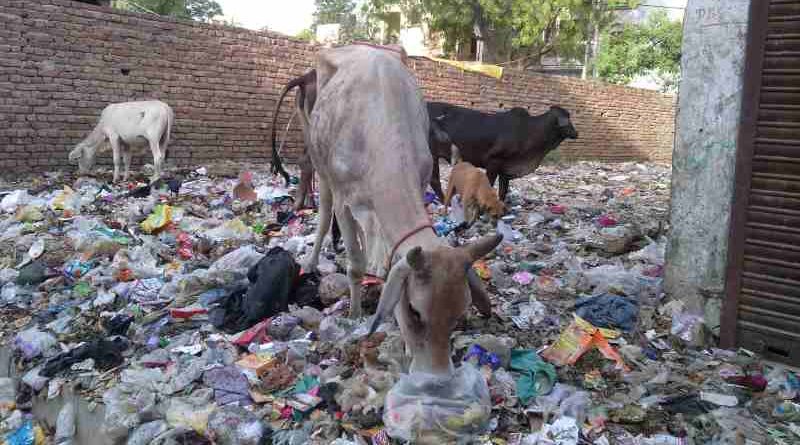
<point x="565" y="128"/>
<point x="429" y="291"/>
<point x="84" y="153"/>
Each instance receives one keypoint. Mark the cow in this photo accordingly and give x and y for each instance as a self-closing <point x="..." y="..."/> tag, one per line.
<point x="124" y="126"/>
<point x="508" y="144"/>
<point x="369" y="145"/>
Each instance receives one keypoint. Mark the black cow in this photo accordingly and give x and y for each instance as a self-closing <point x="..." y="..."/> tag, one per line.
<point x="509" y="144"/>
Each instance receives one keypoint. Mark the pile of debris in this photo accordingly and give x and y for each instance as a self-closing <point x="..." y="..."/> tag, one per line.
<point x="180" y="313"/>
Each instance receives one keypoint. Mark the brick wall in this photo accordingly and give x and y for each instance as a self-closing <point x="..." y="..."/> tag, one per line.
<point x="61" y="62"/>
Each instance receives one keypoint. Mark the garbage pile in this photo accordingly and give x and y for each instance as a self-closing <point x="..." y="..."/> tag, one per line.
<point x="180" y="313"/>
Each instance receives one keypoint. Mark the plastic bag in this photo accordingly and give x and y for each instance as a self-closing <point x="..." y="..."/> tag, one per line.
<point x="146" y="432"/>
<point x="234" y="229"/>
<point x="334" y="328"/>
<point x="685" y="324"/>
<point x="124" y="410"/>
<point x="456" y="213"/>
<point x="612" y="278"/>
<point x="577" y="339"/>
<point x="148" y="378"/>
<point x="33" y="342"/>
<point x="14" y="199"/>
<point x="576" y="405"/>
<point x="564" y="431"/>
<point x="234" y="425"/>
<point x="242" y="258"/>
<point x="530" y="314"/>
<point x="34" y="380"/>
<point x="536" y="377"/>
<point x="653" y="253"/>
<point x="143" y="263"/>
<point x="425" y="408"/>
<point x="8" y="395"/>
<point x="8" y="275"/>
<point x="147" y="291"/>
<point x="29" y="213"/>
<point x="26" y="434"/>
<point x="161" y="216"/>
<point x="191" y="412"/>
<point x="68" y="201"/>
<point x="8" y="294"/>
<point x="65" y="423"/>
<point x="510" y="235"/>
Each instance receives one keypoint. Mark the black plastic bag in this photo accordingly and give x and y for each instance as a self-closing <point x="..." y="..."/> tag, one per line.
<point x="271" y="283"/>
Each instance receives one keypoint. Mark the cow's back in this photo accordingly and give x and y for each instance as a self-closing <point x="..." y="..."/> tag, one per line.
<point x="369" y="119"/>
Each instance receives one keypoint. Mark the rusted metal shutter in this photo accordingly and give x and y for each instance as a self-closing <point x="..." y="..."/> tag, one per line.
<point x="762" y="307"/>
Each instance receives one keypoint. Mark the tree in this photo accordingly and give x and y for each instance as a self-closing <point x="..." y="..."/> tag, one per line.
<point x="354" y="26"/>
<point x="203" y="10"/>
<point x="653" y="47"/>
<point x="306" y="34"/>
<point x="522" y="31"/>
<point x="200" y="10"/>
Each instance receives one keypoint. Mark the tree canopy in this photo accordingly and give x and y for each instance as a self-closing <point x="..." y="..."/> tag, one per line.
<point x="200" y="10"/>
<point x="523" y="31"/>
<point x="354" y="26"/>
<point x="652" y="47"/>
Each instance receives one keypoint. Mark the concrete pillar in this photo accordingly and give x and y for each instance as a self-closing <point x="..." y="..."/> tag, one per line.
<point x="703" y="159"/>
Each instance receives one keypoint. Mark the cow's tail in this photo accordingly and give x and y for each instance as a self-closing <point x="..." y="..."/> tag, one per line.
<point x="277" y="165"/>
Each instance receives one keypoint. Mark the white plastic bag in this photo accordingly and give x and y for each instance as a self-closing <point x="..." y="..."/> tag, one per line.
<point x="426" y="408"/>
<point x="456" y="213"/>
<point x="653" y="253"/>
<point x="33" y="342"/>
<point x="242" y="258"/>
<point x="510" y="235"/>
<point x="65" y="423"/>
<point x="11" y="201"/>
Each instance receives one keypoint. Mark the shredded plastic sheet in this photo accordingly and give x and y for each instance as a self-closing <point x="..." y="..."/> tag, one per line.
<point x="475" y="67"/>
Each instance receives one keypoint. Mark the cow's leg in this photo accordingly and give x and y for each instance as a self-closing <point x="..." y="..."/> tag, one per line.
<point x="115" y="154"/>
<point x="157" y="158"/>
<point x="325" y="215"/>
<point x="436" y="181"/>
<point x="504" y="183"/>
<point x="306" y="176"/>
<point x="336" y="234"/>
<point x="492" y="175"/>
<point x="455" y="155"/>
<point x="127" y="154"/>
<point x="357" y="262"/>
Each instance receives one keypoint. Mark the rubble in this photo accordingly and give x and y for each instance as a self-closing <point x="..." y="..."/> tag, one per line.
<point x="182" y="309"/>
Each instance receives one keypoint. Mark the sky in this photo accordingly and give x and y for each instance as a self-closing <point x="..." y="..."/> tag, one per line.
<point x="284" y="16"/>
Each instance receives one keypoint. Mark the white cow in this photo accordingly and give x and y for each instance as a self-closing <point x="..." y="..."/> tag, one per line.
<point x="123" y="126"/>
<point x="368" y="134"/>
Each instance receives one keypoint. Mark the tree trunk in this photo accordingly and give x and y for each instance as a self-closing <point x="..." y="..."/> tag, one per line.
<point x="595" y="46"/>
